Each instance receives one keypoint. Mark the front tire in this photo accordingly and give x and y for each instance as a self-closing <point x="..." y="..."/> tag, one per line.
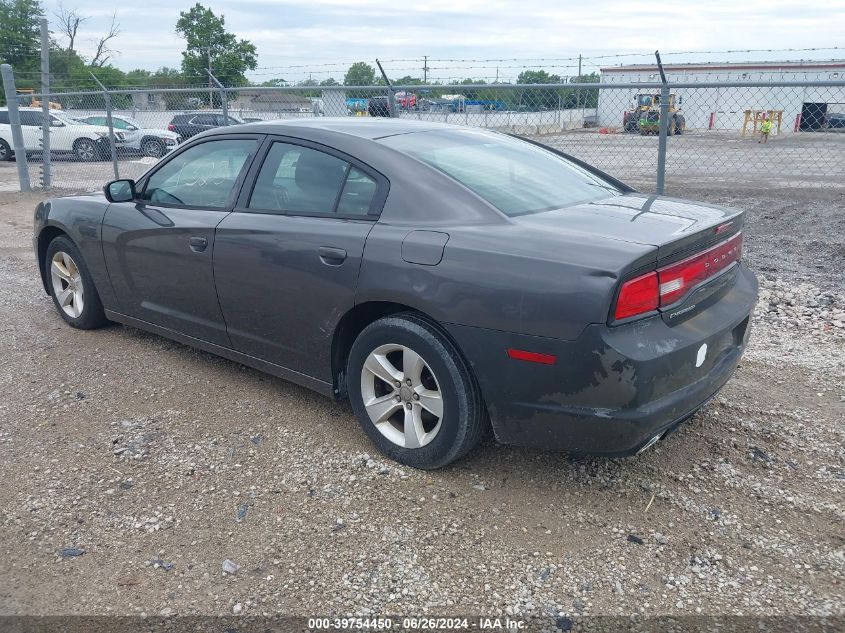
<point x="413" y="393"/>
<point x="153" y="148"/>
<point x="72" y="287"/>
<point x="85" y="150"/>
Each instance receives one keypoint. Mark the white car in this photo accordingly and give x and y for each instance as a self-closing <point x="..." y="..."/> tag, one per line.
<point x="67" y="135"/>
<point x="147" y="141"/>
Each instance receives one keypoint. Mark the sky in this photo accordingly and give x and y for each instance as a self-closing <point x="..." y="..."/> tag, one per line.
<point x="328" y="35"/>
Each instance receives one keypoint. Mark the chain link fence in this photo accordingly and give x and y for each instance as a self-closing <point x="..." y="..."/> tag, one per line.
<point x="657" y="137"/>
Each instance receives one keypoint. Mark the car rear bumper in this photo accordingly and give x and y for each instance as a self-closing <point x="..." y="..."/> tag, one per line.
<point x="614" y="389"/>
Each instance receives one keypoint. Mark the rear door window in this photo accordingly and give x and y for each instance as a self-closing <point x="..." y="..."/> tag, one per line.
<point x="30" y="118"/>
<point x="299" y="180"/>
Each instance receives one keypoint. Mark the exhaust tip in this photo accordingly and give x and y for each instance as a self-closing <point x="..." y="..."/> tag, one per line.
<point x="650" y="443"/>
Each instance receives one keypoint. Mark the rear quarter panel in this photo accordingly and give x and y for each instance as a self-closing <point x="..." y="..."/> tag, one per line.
<point x="502" y="278"/>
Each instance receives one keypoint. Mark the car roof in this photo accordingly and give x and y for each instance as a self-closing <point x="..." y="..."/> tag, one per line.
<point x="361" y="127"/>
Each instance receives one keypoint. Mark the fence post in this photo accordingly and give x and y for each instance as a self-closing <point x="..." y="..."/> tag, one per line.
<point x="390" y="100"/>
<point x="224" y="100"/>
<point x="45" y="104"/>
<point x="109" y="123"/>
<point x="15" y="122"/>
<point x="664" y="129"/>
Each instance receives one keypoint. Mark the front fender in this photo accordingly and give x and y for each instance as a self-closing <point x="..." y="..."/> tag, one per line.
<point x="81" y="219"/>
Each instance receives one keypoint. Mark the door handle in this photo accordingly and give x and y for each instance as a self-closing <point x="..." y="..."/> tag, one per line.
<point x="331" y="256"/>
<point x="198" y="244"/>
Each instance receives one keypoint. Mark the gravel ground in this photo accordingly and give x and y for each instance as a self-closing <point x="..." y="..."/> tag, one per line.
<point x="137" y="470"/>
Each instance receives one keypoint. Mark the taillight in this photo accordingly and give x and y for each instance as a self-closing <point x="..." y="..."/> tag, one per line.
<point x="676" y="280"/>
<point x="637" y="295"/>
<point x="667" y="285"/>
<point x="171" y="127"/>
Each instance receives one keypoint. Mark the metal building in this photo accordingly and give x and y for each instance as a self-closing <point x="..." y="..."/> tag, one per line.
<point x="724" y="108"/>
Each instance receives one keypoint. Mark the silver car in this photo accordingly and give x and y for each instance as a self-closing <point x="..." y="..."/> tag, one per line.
<point x="147" y="141"/>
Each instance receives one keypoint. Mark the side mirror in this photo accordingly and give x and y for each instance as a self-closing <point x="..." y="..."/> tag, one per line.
<point x="120" y="191"/>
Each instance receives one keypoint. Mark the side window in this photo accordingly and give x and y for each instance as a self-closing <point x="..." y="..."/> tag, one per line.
<point x="4" y="117"/>
<point x="118" y="124"/>
<point x="30" y="118"/>
<point x="296" y="179"/>
<point x="357" y="195"/>
<point x="204" y="119"/>
<point x="202" y="176"/>
<point x="97" y="120"/>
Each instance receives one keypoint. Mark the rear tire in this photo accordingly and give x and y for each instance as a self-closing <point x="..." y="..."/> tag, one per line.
<point x="72" y="287"/>
<point x="401" y="417"/>
<point x="5" y="151"/>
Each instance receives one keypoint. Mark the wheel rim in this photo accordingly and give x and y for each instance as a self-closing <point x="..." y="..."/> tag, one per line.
<point x="67" y="284"/>
<point x="152" y="148"/>
<point x="3" y="151"/>
<point x="402" y="396"/>
<point x="85" y="150"/>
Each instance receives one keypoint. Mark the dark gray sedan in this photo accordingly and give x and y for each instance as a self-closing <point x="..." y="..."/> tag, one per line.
<point x="444" y="279"/>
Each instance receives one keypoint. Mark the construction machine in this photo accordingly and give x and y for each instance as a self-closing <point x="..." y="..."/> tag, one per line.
<point x="33" y="102"/>
<point x="645" y="116"/>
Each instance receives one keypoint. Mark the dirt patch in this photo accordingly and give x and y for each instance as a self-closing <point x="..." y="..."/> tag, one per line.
<point x="134" y="468"/>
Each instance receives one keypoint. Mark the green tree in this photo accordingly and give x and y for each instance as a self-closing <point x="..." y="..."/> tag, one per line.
<point x="583" y="98"/>
<point x="207" y="39"/>
<point x="473" y="93"/>
<point x="538" y="98"/>
<point x="537" y="77"/>
<point x="20" y="32"/>
<point x="407" y="80"/>
<point x="360" y="74"/>
<point x="331" y="81"/>
<point x="274" y="83"/>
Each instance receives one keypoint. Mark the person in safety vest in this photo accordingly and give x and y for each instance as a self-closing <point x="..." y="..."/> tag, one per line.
<point x="765" y="129"/>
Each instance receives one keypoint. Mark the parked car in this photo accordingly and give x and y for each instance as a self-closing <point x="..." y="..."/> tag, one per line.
<point x="67" y="135"/>
<point x="836" y="120"/>
<point x="442" y="278"/>
<point x="378" y="107"/>
<point x="188" y="125"/>
<point x="147" y="141"/>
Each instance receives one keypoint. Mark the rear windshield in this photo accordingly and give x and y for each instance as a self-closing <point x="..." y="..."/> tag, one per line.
<point x="514" y="176"/>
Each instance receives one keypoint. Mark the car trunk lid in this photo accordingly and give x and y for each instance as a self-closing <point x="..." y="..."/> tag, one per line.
<point x="684" y="235"/>
<point x="675" y="227"/>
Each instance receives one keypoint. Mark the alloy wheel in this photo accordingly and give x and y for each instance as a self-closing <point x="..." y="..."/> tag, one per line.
<point x="86" y="151"/>
<point x="67" y="284"/>
<point x="402" y="396"/>
<point x="153" y="149"/>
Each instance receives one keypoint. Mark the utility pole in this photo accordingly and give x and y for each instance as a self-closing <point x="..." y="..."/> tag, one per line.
<point x="425" y="69"/>
<point x="578" y="93"/>
<point x="210" y="84"/>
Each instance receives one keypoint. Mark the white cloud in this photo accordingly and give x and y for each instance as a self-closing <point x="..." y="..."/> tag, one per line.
<point x="290" y="32"/>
